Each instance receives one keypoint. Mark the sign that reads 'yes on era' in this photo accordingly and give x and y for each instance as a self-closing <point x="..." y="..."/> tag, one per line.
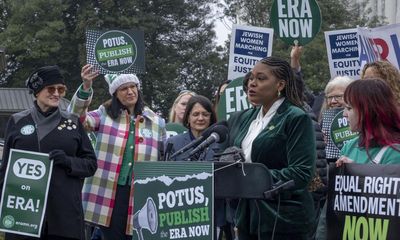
<point x="342" y="49"/>
<point x="116" y="51"/>
<point x="296" y="20"/>
<point x="24" y="195"/>
<point x="248" y="45"/>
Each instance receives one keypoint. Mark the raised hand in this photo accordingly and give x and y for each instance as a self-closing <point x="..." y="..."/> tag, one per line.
<point x="88" y="75"/>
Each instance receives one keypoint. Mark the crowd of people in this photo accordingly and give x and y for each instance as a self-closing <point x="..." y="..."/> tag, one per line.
<point x="279" y="130"/>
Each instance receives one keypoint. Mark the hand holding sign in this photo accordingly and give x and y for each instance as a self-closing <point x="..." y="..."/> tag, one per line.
<point x="88" y="75"/>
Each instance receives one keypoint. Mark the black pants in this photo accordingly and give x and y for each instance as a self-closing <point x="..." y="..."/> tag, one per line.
<point x="119" y="216"/>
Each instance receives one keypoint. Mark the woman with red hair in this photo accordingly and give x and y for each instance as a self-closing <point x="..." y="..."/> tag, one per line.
<point x="371" y="110"/>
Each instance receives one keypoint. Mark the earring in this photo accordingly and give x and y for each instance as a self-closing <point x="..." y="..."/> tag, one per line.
<point x="279" y="93"/>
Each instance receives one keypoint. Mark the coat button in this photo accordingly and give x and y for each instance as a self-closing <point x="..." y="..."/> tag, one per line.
<point x="140" y="139"/>
<point x="141" y="120"/>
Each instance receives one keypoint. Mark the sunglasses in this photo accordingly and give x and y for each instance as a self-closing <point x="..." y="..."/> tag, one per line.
<point x="61" y="89"/>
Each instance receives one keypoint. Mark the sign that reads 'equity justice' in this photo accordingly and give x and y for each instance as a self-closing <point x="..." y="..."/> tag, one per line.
<point x="296" y="20"/>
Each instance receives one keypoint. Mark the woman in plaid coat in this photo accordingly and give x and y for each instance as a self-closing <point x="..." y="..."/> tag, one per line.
<point x="126" y="131"/>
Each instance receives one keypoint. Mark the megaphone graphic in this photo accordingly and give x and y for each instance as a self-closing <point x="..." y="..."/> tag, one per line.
<point x="146" y="218"/>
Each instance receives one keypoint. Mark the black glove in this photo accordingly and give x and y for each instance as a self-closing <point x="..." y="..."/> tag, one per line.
<point x="60" y="158"/>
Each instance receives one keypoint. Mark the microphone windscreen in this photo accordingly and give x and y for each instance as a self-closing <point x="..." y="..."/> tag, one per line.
<point x="229" y="155"/>
<point x="222" y="131"/>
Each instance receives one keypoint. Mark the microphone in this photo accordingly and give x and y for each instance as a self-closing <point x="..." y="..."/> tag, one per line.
<point x="168" y="151"/>
<point x="231" y="154"/>
<point x="219" y="134"/>
<point x="203" y="136"/>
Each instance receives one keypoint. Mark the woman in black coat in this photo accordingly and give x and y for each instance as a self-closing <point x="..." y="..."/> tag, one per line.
<point x="50" y="130"/>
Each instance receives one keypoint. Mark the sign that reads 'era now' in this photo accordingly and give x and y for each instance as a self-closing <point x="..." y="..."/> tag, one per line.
<point x="116" y="51"/>
<point x="296" y="20"/>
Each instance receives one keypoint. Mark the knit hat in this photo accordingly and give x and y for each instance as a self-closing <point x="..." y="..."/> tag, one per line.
<point x="43" y="77"/>
<point x="116" y="80"/>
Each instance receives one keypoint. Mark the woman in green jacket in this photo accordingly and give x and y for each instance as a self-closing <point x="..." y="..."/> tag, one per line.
<point x="280" y="135"/>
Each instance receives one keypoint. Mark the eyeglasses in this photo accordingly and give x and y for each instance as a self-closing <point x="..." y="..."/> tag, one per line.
<point x="336" y="97"/>
<point x="61" y="89"/>
<point x="204" y="114"/>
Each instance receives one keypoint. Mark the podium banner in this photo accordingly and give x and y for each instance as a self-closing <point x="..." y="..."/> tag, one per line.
<point x="24" y="195"/>
<point x="173" y="200"/>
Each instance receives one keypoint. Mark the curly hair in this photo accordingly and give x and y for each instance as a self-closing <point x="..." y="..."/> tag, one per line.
<point x="387" y="72"/>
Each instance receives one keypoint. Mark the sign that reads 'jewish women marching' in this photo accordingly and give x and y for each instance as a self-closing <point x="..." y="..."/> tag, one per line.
<point x="248" y="45"/>
<point x="173" y="200"/>
<point x="342" y="49"/>
<point x="296" y="20"/>
<point x="116" y="51"/>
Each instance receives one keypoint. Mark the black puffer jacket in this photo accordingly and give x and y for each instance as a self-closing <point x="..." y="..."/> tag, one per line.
<point x="321" y="163"/>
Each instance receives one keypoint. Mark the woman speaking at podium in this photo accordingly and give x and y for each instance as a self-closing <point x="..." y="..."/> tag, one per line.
<point x="280" y="135"/>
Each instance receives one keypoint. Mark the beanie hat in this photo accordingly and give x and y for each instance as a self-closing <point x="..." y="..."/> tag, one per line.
<point x="116" y="80"/>
<point x="43" y="77"/>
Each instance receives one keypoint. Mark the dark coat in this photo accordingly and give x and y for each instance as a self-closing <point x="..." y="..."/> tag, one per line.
<point x="287" y="147"/>
<point x="64" y="213"/>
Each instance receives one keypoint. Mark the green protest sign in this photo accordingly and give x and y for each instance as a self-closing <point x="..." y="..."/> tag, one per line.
<point x="24" y="194"/>
<point x="232" y="100"/>
<point x="116" y="51"/>
<point x="340" y="132"/>
<point x="174" y="129"/>
<point x="296" y="20"/>
<point x="173" y="200"/>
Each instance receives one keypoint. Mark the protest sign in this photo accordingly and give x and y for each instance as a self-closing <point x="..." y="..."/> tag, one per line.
<point x="342" y="49"/>
<point x="116" y="51"/>
<point x="298" y="20"/>
<point x="336" y="130"/>
<point x="232" y="100"/>
<point x="173" y="200"/>
<point x="24" y="195"/>
<point x="248" y="45"/>
<point x="363" y="202"/>
<point x="381" y="43"/>
<point x="174" y="129"/>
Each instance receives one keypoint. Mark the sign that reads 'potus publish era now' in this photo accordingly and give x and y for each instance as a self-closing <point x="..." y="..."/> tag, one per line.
<point x="248" y="45"/>
<point x="24" y="195"/>
<point x="173" y="200"/>
<point x="116" y="51"/>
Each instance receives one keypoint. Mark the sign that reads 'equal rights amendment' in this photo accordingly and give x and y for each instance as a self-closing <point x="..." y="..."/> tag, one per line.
<point x="363" y="202"/>
<point x="342" y="49"/>
<point x="296" y="20"/>
<point x="248" y="45"/>
<point x="173" y="200"/>
<point x="24" y="195"/>
<point x="116" y="51"/>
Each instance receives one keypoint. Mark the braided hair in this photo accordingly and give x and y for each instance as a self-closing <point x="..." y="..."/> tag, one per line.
<point x="282" y="70"/>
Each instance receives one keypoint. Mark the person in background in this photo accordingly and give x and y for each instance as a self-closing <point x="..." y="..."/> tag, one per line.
<point x="178" y="108"/>
<point x="45" y="128"/>
<point x="371" y="110"/>
<point x="387" y="72"/>
<point x="126" y="131"/>
<point x="219" y="92"/>
<point x="199" y="115"/>
<point x="280" y="135"/>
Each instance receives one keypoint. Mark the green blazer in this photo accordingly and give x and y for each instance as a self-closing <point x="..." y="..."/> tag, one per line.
<point x="287" y="147"/>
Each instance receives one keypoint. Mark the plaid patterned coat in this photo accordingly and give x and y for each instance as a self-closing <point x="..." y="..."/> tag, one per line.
<point x="99" y="190"/>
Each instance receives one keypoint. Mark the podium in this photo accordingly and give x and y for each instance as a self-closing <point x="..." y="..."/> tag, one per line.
<point x="246" y="180"/>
